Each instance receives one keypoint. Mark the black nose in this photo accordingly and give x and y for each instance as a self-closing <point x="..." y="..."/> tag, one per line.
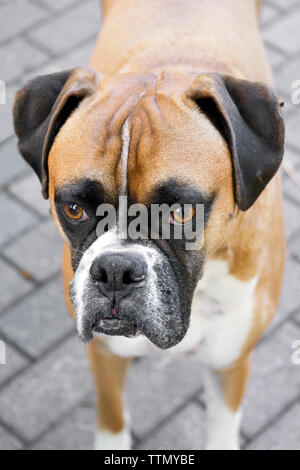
<point x="118" y="272"/>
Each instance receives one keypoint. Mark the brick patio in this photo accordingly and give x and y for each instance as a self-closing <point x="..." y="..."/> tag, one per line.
<point x="46" y="392"/>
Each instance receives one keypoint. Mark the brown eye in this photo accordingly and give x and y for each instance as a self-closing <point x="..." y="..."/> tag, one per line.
<point x="183" y="215"/>
<point x="75" y="212"/>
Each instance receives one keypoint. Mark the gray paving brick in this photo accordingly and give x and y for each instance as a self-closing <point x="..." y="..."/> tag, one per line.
<point x="79" y="57"/>
<point x="29" y="190"/>
<point x="4" y="2"/>
<point x="61" y="5"/>
<point x="6" y="121"/>
<point x="75" y="432"/>
<point x="7" y="441"/>
<point x="297" y="317"/>
<point x="16" y="218"/>
<point x="289" y="300"/>
<point x="17" y="57"/>
<point x="294" y="245"/>
<point x="268" y="13"/>
<point x="284" y="33"/>
<point x="284" y="4"/>
<point x="289" y="109"/>
<point x="282" y="435"/>
<point x="15" y="362"/>
<point x="286" y="75"/>
<point x="39" y="321"/>
<point x="157" y="386"/>
<point x="292" y="157"/>
<point x="274" y="57"/>
<point x="70" y="29"/>
<point x="11" y="163"/>
<point x="39" y="252"/>
<point x="292" y="219"/>
<point x="291" y="189"/>
<point x="274" y="380"/>
<point x="292" y="130"/>
<point x="13" y="285"/>
<point x="17" y="16"/>
<point x="185" y="431"/>
<point x="47" y="391"/>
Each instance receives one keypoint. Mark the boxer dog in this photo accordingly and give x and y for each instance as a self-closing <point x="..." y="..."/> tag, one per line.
<point x="176" y="106"/>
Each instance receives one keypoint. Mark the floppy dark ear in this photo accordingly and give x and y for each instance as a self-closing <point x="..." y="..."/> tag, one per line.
<point x="248" y="116"/>
<point x="40" y="110"/>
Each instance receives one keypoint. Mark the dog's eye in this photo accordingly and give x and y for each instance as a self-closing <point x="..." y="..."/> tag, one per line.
<point x="182" y="215"/>
<point x="75" y="212"/>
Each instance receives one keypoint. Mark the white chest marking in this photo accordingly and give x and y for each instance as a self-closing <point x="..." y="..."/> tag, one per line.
<point x="221" y="319"/>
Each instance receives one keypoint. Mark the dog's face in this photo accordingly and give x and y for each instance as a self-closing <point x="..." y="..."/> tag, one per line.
<point x="173" y="139"/>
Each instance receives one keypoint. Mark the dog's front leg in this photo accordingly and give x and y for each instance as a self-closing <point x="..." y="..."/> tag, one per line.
<point x="224" y="392"/>
<point x="109" y="374"/>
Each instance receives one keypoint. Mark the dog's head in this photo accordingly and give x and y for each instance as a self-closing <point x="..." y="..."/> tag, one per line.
<point x="207" y="140"/>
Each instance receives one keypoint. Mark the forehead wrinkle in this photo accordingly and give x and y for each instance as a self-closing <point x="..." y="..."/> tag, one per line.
<point x="113" y="134"/>
<point x="94" y="131"/>
<point x="153" y="111"/>
<point x="141" y="117"/>
<point x="102" y="96"/>
<point x="146" y="119"/>
<point x="136" y="136"/>
<point x="120" y="115"/>
<point x="126" y="133"/>
<point x="116" y="129"/>
<point x="131" y="88"/>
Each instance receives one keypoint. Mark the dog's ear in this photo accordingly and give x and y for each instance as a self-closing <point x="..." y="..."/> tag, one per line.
<point x="247" y="114"/>
<point x="40" y="110"/>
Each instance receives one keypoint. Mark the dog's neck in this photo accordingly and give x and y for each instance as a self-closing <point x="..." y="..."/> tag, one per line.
<point x="153" y="36"/>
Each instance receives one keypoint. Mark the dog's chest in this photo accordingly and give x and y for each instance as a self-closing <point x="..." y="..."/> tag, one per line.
<point x="221" y="320"/>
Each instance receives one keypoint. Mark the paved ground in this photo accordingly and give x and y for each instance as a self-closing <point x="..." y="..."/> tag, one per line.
<point x="46" y="394"/>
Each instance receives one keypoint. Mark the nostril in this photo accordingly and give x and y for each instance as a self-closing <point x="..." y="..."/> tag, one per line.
<point x="129" y="277"/>
<point x="103" y="276"/>
<point x="117" y="272"/>
<point x="99" y="274"/>
<point x="126" y="278"/>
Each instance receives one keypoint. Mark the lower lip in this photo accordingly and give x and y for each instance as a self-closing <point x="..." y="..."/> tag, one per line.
<point x="138" y="333"/>
<point x="115" y="324"/>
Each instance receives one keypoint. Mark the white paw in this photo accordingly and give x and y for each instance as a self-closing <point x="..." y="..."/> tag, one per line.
<point x="106" y="440"/>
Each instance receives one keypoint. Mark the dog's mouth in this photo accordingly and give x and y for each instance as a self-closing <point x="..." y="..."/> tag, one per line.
<point x="148" y="312"/>
<point x="116" y="326"/>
